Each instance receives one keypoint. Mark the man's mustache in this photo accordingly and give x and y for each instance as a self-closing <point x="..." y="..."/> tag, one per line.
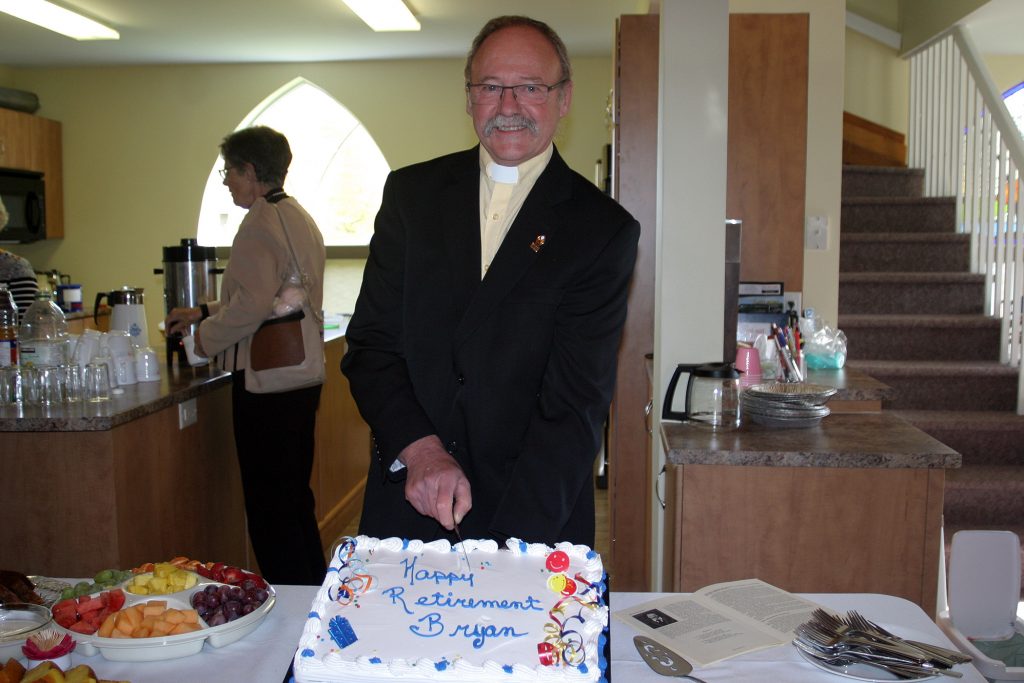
<point x="514" y="121"/>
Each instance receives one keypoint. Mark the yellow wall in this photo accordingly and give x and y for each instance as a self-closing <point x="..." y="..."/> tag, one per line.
<point x="139" y="143"/>
<point x="883" y="12"/>
<point x="1006" y="70"/>
<point x="876" y="86"/>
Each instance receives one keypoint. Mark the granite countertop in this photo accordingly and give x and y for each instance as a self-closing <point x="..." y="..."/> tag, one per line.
<point x="853" y="385"/>
<point x="175" y="386"/>
<point x="858" y="440"/>
<point x="138" y="400"/>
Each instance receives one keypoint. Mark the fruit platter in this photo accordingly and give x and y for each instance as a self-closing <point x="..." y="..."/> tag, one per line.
<point x="164" y="610"/>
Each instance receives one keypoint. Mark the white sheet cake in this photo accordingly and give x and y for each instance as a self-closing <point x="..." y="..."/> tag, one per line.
<point x="412" y="611"/>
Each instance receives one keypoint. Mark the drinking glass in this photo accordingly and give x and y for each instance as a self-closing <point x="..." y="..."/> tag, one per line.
<point x="72" y="375"/>
<point x="30" y="384"/>
<point x="51" y="385"/>
<point x="10" y="385"/>
<point x="96" y="383"/>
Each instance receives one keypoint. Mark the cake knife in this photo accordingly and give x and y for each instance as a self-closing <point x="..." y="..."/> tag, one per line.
<point x="458" y="535"/>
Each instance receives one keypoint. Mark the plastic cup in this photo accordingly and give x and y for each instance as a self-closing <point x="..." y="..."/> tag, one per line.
<point x="147" y="365"/>
<point x="72" y="383"/>
<point x="51" y="385"/>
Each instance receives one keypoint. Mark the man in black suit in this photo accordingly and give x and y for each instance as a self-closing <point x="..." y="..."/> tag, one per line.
<point x="483" y="344"/>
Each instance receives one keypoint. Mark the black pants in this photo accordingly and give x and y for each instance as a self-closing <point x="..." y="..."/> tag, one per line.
<point x="274" y="438"/>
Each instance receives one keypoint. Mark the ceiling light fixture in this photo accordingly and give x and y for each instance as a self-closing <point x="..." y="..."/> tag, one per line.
<point x="384" y="15"/>
<point x="64" y="21"/>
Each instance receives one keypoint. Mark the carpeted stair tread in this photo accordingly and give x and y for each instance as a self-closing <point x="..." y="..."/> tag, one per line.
<point x="944" y="385"/>
<point x="882" y="181"/>
<point x="910" y="320"/>
<point x="981" y="437"/>
<point x="919" y="368"/>
<point x="986" y="494"/>
<point x="904" y="251"/>
<point x="943" y="278"/>
<point x="897" y="214"/>
<point x="914" y="337"/>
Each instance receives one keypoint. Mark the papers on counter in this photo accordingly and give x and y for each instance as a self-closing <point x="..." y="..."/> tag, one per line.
<point x="722" y="620"/>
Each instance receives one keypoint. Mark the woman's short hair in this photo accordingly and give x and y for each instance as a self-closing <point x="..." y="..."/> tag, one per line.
<point x="267" y="150"/>
<point x="508" y="21"/>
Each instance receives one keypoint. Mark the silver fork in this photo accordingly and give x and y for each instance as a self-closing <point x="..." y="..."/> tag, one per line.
<point x="952" y="655"/>
<point x="895" y="666"/>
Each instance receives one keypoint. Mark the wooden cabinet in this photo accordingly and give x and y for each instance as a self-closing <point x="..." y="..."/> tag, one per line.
<point x="342" y="452"/>
<point x="32" y="143"/>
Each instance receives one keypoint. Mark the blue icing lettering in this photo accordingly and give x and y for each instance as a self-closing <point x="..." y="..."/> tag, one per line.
<point x="432" y="627"/>
<point x="395" y="594"/>
<point x="438" y="599"/>
<point x="507" y="668"/>
<point x="480" y="634"/>
<point x="437" y="577"/>
<point x="308" y="653"/>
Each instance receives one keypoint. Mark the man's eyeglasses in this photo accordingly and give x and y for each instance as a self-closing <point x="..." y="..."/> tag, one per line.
<point x="224" y="172"/>
<point x="527" y="93"/>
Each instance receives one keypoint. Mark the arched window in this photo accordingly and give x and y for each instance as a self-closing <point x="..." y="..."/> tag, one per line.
<point x="337" y="171"/>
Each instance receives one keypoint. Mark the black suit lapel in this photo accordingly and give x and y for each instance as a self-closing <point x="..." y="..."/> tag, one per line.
<point x="536" y="224"/>
<point x="460" y="213"/>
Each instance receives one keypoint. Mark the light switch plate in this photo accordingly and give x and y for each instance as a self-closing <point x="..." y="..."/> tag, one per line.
<point x="188" y="413"/>
<point x="816" y="233"/>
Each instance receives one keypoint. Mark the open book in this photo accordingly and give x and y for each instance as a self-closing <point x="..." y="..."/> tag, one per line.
<point x="722" y="620"/>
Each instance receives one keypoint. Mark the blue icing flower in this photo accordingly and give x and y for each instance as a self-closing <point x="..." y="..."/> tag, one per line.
<point x="507" y="668"/>
<point x="341" y="632"/>
<point x="374" y="660"/>
<point x="314" y="615"/>
<point x="308" y="653"/>
<point x="583" y="667"/>
<point x="405" y="544"/>
<point x="522" y="546"/>
<point x="332" y="569"/>
<point x="592" y="554"/>
<point x="442" y="665"/>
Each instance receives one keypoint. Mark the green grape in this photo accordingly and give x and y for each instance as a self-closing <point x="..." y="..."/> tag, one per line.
<point x="105" y="576"/>
<point x="68" y="593"/>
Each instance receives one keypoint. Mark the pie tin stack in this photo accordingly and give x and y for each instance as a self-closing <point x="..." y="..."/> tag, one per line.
<point x="786" y="404"/>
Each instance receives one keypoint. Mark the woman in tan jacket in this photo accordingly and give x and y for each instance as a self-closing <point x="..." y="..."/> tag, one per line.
<point x="274" y="432"/>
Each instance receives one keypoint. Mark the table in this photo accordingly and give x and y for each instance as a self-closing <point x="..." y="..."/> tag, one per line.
<point x="263" y="656"/>
<point x="781" y="663"/>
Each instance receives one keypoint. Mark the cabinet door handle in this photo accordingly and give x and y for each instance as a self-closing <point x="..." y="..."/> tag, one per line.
<point x="647" y="416"/>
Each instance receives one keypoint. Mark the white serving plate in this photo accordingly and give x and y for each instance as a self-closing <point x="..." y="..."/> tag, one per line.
<point x="17" y="623"/>
<point x="171" y="647"/>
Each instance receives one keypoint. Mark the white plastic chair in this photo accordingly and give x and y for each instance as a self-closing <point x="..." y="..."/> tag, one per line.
<point x="983" y="592"/>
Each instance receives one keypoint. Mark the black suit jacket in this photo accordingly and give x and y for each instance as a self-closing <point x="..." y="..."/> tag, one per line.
<point x="513" y="372"/>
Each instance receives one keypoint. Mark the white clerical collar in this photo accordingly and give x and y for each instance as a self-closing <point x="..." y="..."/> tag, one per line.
<point x="502" y="174"/>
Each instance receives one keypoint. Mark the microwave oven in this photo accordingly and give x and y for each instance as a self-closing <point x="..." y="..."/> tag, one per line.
<point x="23" y="194"/>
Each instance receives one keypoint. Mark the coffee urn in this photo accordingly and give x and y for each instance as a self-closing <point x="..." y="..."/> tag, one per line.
<point x="190" y="278"/>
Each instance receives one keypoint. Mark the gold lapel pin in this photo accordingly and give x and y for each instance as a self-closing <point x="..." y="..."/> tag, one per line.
<point x="537" y="243"/>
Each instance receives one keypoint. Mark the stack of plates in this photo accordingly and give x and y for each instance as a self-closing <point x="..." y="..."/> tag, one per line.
<point x="786" y="404"/>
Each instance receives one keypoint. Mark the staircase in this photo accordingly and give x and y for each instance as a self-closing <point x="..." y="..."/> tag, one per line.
<point x="913" y="314"/>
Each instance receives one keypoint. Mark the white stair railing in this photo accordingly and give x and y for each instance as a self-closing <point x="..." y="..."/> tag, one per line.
<point x="961" y="133"/>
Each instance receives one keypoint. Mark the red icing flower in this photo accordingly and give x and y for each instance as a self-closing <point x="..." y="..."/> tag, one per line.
<point x="558" y="561"/>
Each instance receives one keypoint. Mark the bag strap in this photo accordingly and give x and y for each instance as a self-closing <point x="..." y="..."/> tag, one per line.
<point x="303" y="277"/>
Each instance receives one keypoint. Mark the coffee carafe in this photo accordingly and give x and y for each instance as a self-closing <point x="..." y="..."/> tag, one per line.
<point x="190" y="278"/>
<point x="127" y="313"/>
<point x="712" y="395"/>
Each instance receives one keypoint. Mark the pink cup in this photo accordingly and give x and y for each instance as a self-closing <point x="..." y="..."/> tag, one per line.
<point x="748" y="361"/>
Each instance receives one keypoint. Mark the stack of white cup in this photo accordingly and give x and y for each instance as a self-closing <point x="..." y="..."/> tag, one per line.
<point x="122" y="353"/>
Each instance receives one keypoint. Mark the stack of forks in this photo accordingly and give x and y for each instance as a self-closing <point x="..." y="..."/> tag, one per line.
<point x="841" y="641"/>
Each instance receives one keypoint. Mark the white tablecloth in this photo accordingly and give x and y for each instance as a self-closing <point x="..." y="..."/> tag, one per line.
<point x="265" y="654"/>
<point x="783" y="663"/>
